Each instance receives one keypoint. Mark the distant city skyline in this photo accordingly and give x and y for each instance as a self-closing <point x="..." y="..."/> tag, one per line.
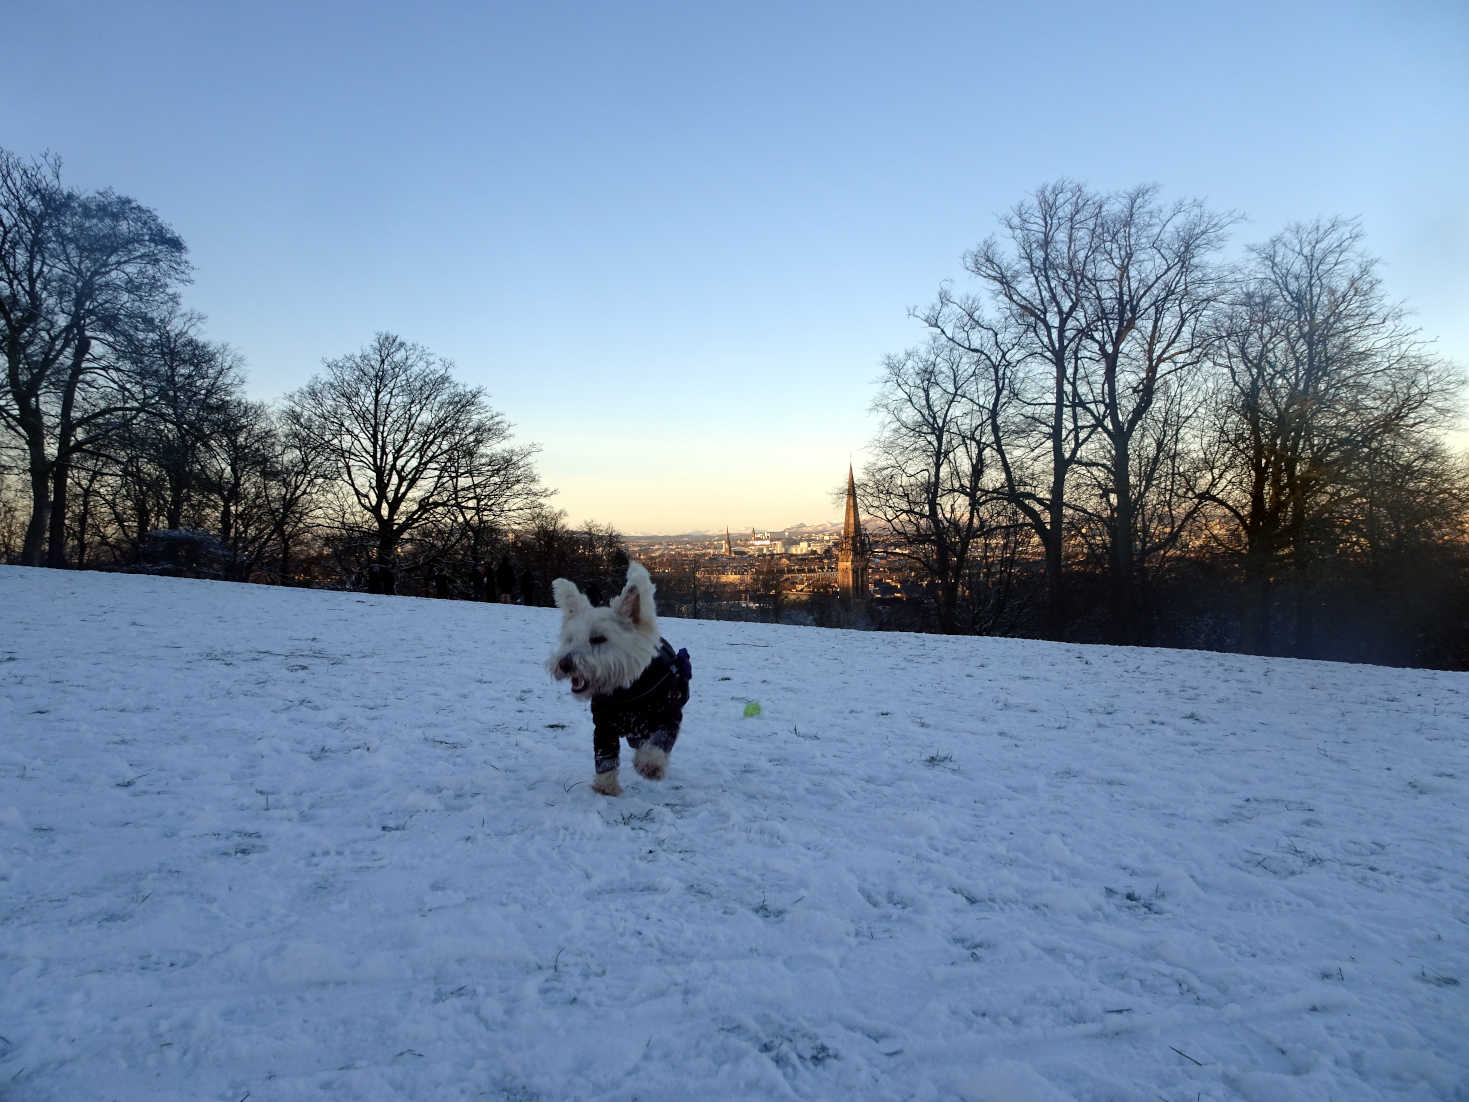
<point x="739" y="535"/>
<point x="673" y="243"/>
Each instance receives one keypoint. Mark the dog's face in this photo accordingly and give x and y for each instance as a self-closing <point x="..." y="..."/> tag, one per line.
<point x="604" y="649"/>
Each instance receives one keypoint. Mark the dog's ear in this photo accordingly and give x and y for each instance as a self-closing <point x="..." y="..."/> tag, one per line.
<point x="635" y="602"/>
<point x="569" y="599"/>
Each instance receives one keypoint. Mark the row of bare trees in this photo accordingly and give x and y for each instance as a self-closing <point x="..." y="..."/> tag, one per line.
<point x="120" y="420"/>
<point x="1109" y="398"/>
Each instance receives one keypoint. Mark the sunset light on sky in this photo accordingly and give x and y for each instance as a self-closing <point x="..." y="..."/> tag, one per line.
<point x="674" y="241"/>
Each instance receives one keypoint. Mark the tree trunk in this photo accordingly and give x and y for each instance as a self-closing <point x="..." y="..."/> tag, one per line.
<point x="33" y="550"/>
<point x="174" y="515"/>
<point x="65" y="438"/>
<point x="387" y="573"/>
<point x="143" y="523"/>
<point x="60" y="481"/>
<point x="1123" y="595"/>
<point x="1256" y="636"/>
<point x="1305" y="608"/>
<point x="33" y="428"/>
<point x="948" y="606"/>
<point x="285" y="542"/>
<point x="1055" y="591"/>
<point x="1056" y="518"/>
<point x="84" y="516"/>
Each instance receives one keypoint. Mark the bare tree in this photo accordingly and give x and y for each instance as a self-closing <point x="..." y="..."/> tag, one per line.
<point x="86" y="509"/>
<point x="768" y="587"/>
<point x="1149" y="288"/>
<point x="293" y="476"/>
<point x="78" y="274"/>
<point x="237" y="473"/>
<point x="153" y="469"/>
<point x="1035" y="345"/>
<point x="406" y="441"/>
<point x="192" y="393"/>
<point x="495" y="495"/>
<point x="1325" y="378"/>
<point x="12" y="518"/>
<point x="933" y="482"/>
<point x="33" y="211"/>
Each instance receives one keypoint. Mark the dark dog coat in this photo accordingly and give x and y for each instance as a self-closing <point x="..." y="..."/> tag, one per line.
<point x="648" y="710"/>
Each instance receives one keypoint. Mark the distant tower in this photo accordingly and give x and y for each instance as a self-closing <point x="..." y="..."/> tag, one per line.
<point x="728" y="547"/>
<point x="852" y="551"/>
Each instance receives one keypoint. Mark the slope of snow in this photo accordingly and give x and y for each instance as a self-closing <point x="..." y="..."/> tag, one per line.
<point x="273" y="844"/>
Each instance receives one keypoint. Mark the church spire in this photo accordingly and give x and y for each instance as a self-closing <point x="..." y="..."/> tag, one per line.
<point x="852" y="526"/>
<point x="852" y="552"/>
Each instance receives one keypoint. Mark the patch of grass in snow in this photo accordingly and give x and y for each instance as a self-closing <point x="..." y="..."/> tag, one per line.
<point x="1151" y="904"/>
<point x="323" y="752"/>
<point x="789" y="1049"/>
<point x="1438" y="981"/>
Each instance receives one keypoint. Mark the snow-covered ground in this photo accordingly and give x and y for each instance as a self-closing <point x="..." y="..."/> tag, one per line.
<point x="271" y="844"/>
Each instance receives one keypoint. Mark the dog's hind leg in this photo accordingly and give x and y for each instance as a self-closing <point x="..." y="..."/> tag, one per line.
<point x="650" y="761"/>
<point x="651" y="758"/>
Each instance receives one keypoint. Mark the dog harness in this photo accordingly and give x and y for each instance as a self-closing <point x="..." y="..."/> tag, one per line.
<point x="648" y="710"/>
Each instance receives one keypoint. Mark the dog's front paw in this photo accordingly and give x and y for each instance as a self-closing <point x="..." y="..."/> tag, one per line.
<point x="651" y="762"/>
<point x="606" y="783"/>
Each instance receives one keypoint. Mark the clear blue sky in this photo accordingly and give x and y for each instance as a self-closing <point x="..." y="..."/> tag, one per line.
<point x="673" y="241"/>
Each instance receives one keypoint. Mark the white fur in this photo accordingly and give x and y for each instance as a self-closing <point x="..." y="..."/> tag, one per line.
<point x="650" y="761"/>
<point x="626" y="634"/>
<point x="606" y="783"/>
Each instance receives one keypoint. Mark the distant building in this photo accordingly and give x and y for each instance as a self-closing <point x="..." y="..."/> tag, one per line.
<point x="853" y="551"/>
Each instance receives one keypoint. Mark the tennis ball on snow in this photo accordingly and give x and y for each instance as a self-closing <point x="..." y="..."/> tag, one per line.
<point x="752" y="709"/>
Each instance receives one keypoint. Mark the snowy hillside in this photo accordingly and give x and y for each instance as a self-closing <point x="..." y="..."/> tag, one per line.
<point x="271" y="844"/>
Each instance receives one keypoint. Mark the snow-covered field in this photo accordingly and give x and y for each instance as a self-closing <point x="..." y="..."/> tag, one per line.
<point x="271" y="844"/>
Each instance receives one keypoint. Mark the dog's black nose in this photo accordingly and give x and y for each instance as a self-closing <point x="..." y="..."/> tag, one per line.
<point x="566" y="666"/>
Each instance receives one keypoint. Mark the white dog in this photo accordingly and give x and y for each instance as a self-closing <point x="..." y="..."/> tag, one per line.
<point x="636" y="684"/>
